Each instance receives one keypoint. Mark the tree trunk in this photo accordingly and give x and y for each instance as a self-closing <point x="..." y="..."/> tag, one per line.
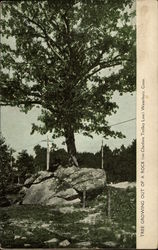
<point x="71" y="147"/>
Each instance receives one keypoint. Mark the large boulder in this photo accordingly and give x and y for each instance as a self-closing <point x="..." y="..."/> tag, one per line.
<point x="41" y="193"/>
<point x="82" y="178"/>
<point x="64" y="187"/>
<point x="68" y="193"/>
<point x="42" y="175"/>
<point x="38" y="177"/>
<point x="49" y="192"/>
<point x="62" y="172"/>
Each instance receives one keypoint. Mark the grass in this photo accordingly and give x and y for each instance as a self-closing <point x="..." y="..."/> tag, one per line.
<point x="32" y="225"/>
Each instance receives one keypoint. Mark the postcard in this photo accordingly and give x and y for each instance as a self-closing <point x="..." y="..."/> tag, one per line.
<point x="78" y="124"/>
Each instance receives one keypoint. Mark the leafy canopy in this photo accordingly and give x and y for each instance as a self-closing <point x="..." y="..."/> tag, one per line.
<point x="68" y="57"/>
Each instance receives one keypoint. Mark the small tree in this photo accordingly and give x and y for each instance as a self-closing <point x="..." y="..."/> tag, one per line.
<point x="87" y="160"/>
<point x="6" y="171"/>
<point x="107" y="156"/>
<point x="25" y="165"/>
<point x="128" y="162"/>
<point x="40" y="158"/>
<point x="123" y="163"/>
<point x="57" y="157"/>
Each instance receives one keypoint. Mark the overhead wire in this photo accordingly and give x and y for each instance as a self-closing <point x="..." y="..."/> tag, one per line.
<point x="126" y="121"/>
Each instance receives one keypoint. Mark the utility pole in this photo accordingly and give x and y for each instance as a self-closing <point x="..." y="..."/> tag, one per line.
<point x="102" y="156"/>
<point x="48" y="153"/>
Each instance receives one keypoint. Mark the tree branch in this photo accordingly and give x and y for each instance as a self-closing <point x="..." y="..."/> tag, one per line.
<point x="20" y="103"/>
<point x="102" y="67"/>
<point x="98" y="61"/>
<point x="46" y="37"/>
<point x="67" y="29"/>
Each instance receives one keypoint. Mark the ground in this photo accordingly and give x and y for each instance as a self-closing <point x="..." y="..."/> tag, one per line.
<point x="47" y="226"/>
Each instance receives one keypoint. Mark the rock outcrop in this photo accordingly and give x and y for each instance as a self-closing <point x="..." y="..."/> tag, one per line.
<point x="38" y="177"/>
<point x="82" y="178"/>
<point x="64" y="187"/>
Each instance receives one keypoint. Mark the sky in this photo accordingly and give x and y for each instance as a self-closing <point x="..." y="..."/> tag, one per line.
<point x="16" y="128"/>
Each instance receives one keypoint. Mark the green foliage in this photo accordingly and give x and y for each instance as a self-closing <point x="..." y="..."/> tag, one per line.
<point x="6" y="170"/>
<point x="40" y="158"/>
<point x="57" y="157"/>
<point x="119" y="164"/>
<point x="87" y="160"/>
<point x="123" y="164"/>
<point x="69" y="58"/>
<point x="108" y="159"/>
<point x="25" y="165"/>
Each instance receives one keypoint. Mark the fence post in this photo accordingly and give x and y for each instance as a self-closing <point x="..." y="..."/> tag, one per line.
<point x="48" y="153"/>
<point x="102" y="155"/>
<point x="109" y="204"/>
<point x="84" y="197"/>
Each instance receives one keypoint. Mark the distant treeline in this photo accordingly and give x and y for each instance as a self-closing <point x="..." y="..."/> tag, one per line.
<point x="119" y="164"/>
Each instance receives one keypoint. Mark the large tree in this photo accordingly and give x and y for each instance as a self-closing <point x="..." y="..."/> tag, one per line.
<point x="68" y="58"/>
